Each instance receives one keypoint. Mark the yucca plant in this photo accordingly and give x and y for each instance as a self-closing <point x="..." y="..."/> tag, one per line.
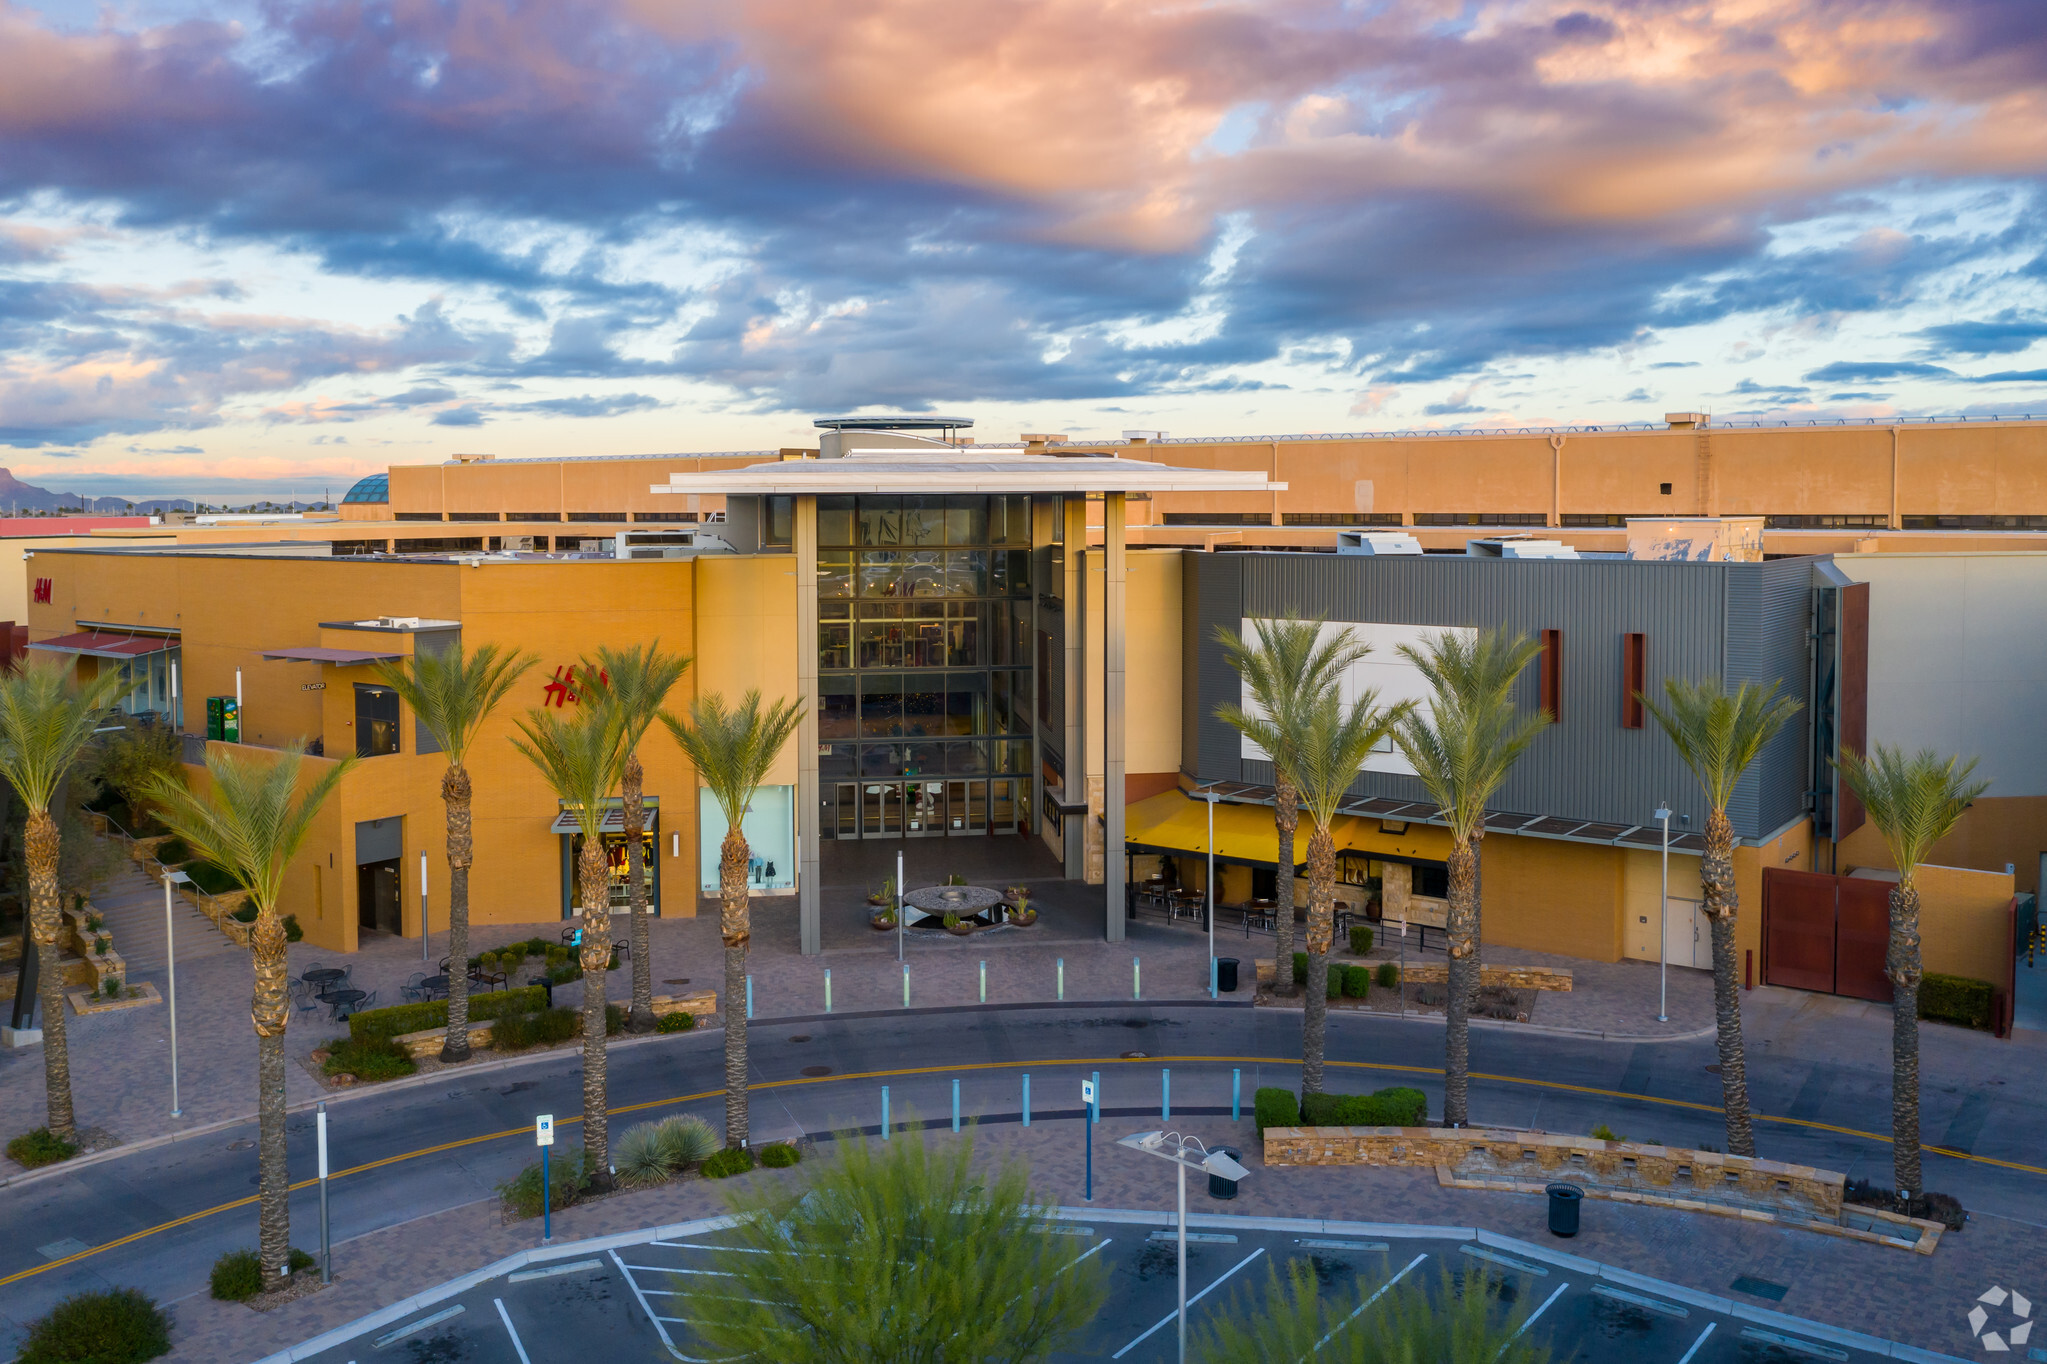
<point x="1718" y="733"/>
<point x="1462" y="745"/>
<point x="452" y="693"/>
<point x="47" y="717"/>
<point x="580" y="759"/>
<point x="1914" y="801"/>
<point x="252" y="823"/>
<point x="1286" y="667"/>
<point x="635" y="684"/>
<point x="685" y="1140"/>
<point x="1402" y="1323"/>
<point x="734" y="749"/>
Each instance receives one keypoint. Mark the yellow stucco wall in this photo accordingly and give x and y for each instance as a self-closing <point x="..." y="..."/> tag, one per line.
<point x="1151" y="727"/>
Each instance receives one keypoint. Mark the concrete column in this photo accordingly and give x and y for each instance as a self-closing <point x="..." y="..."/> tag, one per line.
<point x="809" y="814"/>
<point x="1074" y="592"/>
<point x="1112" y="712"/>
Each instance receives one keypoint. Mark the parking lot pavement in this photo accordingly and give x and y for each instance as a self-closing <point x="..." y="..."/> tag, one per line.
<point x="625" y="1301"/>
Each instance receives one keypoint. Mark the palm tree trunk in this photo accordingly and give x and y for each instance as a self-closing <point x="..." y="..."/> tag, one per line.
<point x="1321" y="928"/>
<point x="1286" y="819"/>
<point x="1461" y="933"/>
<point x="632" y="793"/>
<point x="45" y="923"/>
<point x="734" y="929"/>
<point x="270" y="1011"/>
<point x="1716" y="876"/>
<point x="1903" y="967"/>
<point x="455" y="794"/>
<point x="596" y="960"/>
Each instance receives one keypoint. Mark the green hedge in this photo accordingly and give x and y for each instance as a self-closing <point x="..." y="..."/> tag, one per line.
<point x="1393" y="1107"/>
<point x="1275" y="1108"/>
<point x="213" y="880"/>
<point x="1332" y="988"/>
<point x="1955" y="999"/>
<point x="1360" y="939"/>
<point x="433" y="1013"/>
<point x="119" y="1326"/>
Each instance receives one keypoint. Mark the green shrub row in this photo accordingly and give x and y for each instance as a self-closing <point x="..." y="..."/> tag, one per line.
<point x="517" y="1031"/>
<point x="568" y="1175"/>
<point x="238" y="1274"/>
<point x="117" y="1326"/>
<point x="677" y="1022"/>
<point x="1955" y="999"/>
<point x="38" y="1147"/>
<point x="1273" y="1107"/>
<point x="1348" y="981"/>
<point x="399" y="1019"/>
<point x="733" y="1160"/>
<point x="369" y="1059"/>
<point x="1392" y="1107"/>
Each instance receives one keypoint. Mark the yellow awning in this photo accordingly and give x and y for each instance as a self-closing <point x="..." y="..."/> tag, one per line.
<point x="1176" y="824"/>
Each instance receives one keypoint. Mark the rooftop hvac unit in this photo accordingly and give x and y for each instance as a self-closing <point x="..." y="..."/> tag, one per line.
<point x="398" y="622"/>
<point x="1376" y="542"/>
<point x="1519" y="547"/>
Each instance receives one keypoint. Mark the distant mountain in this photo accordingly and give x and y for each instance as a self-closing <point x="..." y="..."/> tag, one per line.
<point x="17" y="497"/>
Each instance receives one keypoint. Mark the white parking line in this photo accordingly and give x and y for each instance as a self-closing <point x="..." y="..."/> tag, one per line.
<point x="1369" y="1301"/>
<point x="506" y="1318"/>
<point x="1532" y="1316"/>
<point x="1697" y="1343"/>
<point x="1190" y="1302"/>
<point x="633" y="1284"/>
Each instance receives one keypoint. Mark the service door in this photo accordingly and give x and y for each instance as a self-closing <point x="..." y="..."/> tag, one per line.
<point x="1798" y="929"/>
<point x="1862" y="937"/>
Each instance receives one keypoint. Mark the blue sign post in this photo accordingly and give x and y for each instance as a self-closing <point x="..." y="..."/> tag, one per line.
<point x="1087" y="1101"/>
<point x="543" y="1136"/>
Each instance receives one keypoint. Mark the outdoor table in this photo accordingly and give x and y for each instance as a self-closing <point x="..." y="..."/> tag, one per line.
<point x="341" y="999"/>
<point x="323" y="975"/>
<point x="435" y="985"/>
<point x="1260" y="912"/>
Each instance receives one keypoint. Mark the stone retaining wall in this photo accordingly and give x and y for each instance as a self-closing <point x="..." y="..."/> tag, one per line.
<point x="428" y="1041"/>
<point x="1508" y="977"/>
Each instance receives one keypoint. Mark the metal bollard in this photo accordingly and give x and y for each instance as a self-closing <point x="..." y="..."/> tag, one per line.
<point x="955" y="1105"/>
<point x="1027" y="1099"/>
<point x="828" y="989"/>
<point x="906" y="985"/>
<point x="749" y="996"/>
<point x="1165" y="1095"/>
<point x="1236" y="1095"/>
<point x="1062" y="978"/>
<point x="884" y="1112"/>
<point x="984" y="982"/>
<point x="1136" y="981"/>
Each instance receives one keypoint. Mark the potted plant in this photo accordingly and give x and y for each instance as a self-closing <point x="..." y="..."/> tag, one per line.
<point x="883" y="893"/>
<point x="953" y="924"/>
<point x="1020" y="911"/>
<point x="884" y="920"/>
<point x="955" y="880"/>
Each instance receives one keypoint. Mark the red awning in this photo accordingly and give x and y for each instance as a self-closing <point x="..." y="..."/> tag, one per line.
<point x="98" y="644"/>
<point x="320" y="653"/>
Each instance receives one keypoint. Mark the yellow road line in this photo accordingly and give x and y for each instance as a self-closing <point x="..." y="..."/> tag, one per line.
<point x="133" y="1237"/>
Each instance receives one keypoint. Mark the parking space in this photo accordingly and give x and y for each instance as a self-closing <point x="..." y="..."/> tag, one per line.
<point x="629" y="1302"/>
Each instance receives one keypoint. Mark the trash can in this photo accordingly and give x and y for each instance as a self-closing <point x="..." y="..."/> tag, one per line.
<point x="1218" y="1187"/>
<point x="1226" y="975"/>
<point x="1563" y="1208"/>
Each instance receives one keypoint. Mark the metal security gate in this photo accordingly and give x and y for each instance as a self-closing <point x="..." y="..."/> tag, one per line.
<point x="1826" y="933"/>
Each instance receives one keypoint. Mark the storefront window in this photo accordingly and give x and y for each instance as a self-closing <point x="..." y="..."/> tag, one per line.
<point x="616" y="868"/>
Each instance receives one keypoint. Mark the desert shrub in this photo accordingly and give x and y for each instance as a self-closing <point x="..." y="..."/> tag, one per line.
<point x="1497" y="1001"/>
<point x="1388" y="975"/>
<point x="245" y="915"/>
<point x="39" y="1147"/>
<point x="1275" y="1108"/>
<point x="686" y="1140"/>
<point x="557" y="1025"/>
<point x="433" y="1013"/>
<point x="172" y="852"/>
<point x="640" y="1158"/>
<point x="614" y="1019"/>
<point x="779" y="1155"/>
<point x="1360" y="939"/>
<point x="292" y="931"/>
<point x="238" y="1275"/>
<point x="676" y="1022"/>
<point x="733" y="1160"/>
<point x="1431" y="996"/>
<point x="214" y="880"/>
<point x="512" y="1032"/>
<point x="1955" y="999"/>
<point x="1934" y="1207"/>
<point x="369" y="1059"/>
<point x="112" y="987"/>
<point x="118" y="1326"/>
<point x="94" y="923"/>
<point x="568" y="1171"/>
<point x="1601" y="1132"/>
<point x="1393" y="1107"/>
<point x="1357" y="980"/>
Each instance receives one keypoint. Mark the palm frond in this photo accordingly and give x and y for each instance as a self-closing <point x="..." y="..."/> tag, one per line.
<point x="254" y="820"/>
<point x="1718" y="733"/>
<point x="734" y="748"/>
<point x="1330" y="747"/>
<point x="47" y="716"/>
<point x="635" y="681"/>
<point x="1466" y="741"/>
<point x="453" y="692"/>
<point x="1287" y="666"/>
<point x="1914" y="800"/>
<point x="580" y="759"/>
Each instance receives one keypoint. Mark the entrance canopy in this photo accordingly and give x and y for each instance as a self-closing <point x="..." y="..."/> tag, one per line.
<point x="98" y="644"/>
<point x="964" y="471"/>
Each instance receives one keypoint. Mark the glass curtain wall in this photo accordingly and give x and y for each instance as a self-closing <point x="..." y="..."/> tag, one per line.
<point x="924" y="663"/>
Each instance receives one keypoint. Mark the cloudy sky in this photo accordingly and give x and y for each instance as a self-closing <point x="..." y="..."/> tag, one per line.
<point x="287" y="243"/>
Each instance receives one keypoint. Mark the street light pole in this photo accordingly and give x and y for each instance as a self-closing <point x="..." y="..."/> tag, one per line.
<point x="170" y="965"/>
<point x="1174" y="1147"/>
<point x="1663" y="950"/>
<point x="424" y="931"/>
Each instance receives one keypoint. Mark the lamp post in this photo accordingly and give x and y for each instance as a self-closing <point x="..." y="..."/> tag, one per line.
<point x="1173" y="1146"/>
<point x="172" y="877"/>
<point x="1208" y="795"/>
<point x="1663" y="910"/>
<point x="425" y="931"/>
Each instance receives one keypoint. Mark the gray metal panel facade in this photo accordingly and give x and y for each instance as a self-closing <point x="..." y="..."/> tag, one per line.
<point x="1587" y="765"/>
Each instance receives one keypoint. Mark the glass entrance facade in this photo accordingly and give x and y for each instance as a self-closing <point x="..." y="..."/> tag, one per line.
<point x="925" y="656"/>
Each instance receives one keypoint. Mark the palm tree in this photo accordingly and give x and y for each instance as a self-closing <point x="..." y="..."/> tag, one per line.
<point x="453" y="693"/>
<point x="580" y="759"/>
<point x="47" y="717"/>
<point x="1718" y="735"/>
<point x="636" y="682"/>
<point x="1329" y="746"/>
<point x="1914" y="802"/>
<point x="1462" y="748"/>
<point x="252" y="824"/>
<point x="733" y="751"/>
<point x="1287" y="670"/>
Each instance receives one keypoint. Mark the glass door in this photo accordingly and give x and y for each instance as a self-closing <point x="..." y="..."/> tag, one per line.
<point x="1002" y="805"/>
<point x="846" y="815"/>
<point x="881" y="810"/>
<point x="924" y="808"/>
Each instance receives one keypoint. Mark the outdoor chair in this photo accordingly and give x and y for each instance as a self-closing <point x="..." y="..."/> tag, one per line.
<point x="414" y="989"/>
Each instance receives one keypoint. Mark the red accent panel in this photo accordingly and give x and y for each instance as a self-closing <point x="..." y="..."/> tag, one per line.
<point x="1634" y="677"/>
<point x="1862" y="936"/>
<point x="1798" y="930"/>
<point x="1551" y="665"/>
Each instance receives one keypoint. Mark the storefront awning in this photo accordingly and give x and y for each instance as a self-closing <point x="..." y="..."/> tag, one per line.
<point x="1174" y="825"/>
<point x="320" y="653"/>
<point x="614" y="818"/>
<point x="98" y="644"/>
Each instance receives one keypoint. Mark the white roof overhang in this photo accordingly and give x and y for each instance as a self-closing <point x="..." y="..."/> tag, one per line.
<point x="964" y="471"/>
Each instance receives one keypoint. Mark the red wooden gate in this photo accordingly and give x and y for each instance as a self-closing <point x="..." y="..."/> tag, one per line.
<point x="1826" y="933"/>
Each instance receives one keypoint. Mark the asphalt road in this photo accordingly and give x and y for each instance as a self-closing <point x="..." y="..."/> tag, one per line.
<point x="1544" y="1083"/>
<point x="631" y="1302"/>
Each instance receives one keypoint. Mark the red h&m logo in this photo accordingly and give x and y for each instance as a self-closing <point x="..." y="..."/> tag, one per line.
<point x="562" y="689"/>
<point x="42" y="589"/>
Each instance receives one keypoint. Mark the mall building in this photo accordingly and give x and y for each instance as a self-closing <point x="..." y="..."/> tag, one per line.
<point x="991" y="649"/>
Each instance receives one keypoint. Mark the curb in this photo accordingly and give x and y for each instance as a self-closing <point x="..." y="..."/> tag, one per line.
<point x="1709" y="1302"/>
<point x="1436" y="1020"/>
